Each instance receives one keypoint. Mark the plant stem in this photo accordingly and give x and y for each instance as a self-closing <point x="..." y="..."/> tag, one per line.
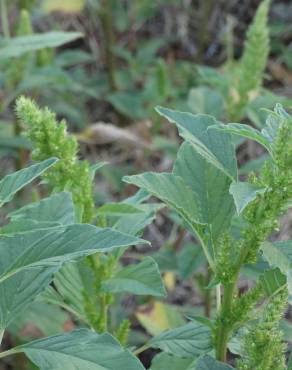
<point x="8" y="353"/>
<point x="223" y="330"/>
<point x="207" y="254"/>
<point x="141" y="349"/>
<point x="20" y="161"/>
<point x="103" y="316"/>
<point x="4" y="19"/>
<point x="1" y="335"/>
<point x="105" y="15"/>
<point x="204" y="34"/>
<point x="218" y="297"/>
<point x="208" y="295"/>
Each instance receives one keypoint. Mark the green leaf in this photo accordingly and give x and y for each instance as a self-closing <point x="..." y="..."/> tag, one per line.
<point x="209" y="363"/>
<point x="79" y="350"/>
<point x="217" y="148"/>
<point x="244" y="193"/>
<point x="278" y="254"/>
<point x="57" y="208"/>
<point x="190" y="258"/>
<point x="17" y="46"/>
<point x="173" y="191"/>
<point x="96" y="167"/>
<point x="190" y="340"/>
<point x="22" y="226"/>
<point x="266" y="136"/>
<point x="57" y="245"/>
<point x="129" y="218"/>
<point x="129" y="104"/>
<point x="70" y="283"/>
<point x="143" y="279"/>
<point x="18" y="292"/>
<point x="139" y="197"/>
<point x="117" y="210"/>
<point x="211" y="187"/>
<point x="29" y="260"/>
<point x="245" y="131"/>
<point x="272" y="281"/>
<point x="254" y="165"/>
<point x="12" y="183"/>
<point x="47" y="318"/>
<point x="164" y="361"/>
<point x="205" y="100"/>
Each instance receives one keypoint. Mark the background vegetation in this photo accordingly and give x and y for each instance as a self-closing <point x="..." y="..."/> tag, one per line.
<point x="103" y="66"/>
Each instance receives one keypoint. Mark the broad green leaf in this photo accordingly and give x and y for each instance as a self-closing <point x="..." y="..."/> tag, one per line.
<point x="164" y="361"/>
<point x="267" y="135"/>
<point x="211" y="187"/>
<point x="117" y="210"/>
<point x="272" y="281"/>
<point x="173" y="191"/>
<point x="29" y="260"/>
<point x="70" y="283"/>
<point x="57" y="208"/>
<point x="216" y="147"/>
<point x="245" y="131"/>
<point x="57" y="245"/>
<point x="190" y="340"/>
<point x="17" y="46"/>
<point x="22" y="226"/>
<point x="143" y="279"/>
<point x="244" y="193"/>
<point x="205" y="100"/>
<point x="79" y="350"/>
<point x="139" y="197"/>
<point x="130" y="104"/>
<point x="14" y="142"/>
<point x="166" y="259"/>
<point x="278" y="254"/>
<point x="274" y="121"/>
<point x="253" y="165"/>
<point x="189" y="259"/>
<point x="135" y="223"/>
<point x="127" y="217"/>
<point x="41" y="317"/>
<point x="18" y="292"/>
<point x="209" y="363"/>
<point x="12" y="183"/>
<point x="95" y="167"/>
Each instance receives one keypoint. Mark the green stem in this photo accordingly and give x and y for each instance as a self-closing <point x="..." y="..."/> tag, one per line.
<point x="105" y="15"/>
<point x="103" y="316"/>
<point x="208" y="295"/>
<point x="207" y="254"/>
<point x="223" y="330"/>
<point x="8" y="353"/>
<point x="204" y="34"/>
<point x="218" y="297"/>
<point x="141" y="349"/>
<point x="4" y="19"/>
<point x="20" y="160"/>
<point x="1" y="335"/>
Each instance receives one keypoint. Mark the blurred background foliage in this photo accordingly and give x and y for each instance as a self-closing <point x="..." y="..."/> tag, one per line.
<point x="104" y="65"/>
